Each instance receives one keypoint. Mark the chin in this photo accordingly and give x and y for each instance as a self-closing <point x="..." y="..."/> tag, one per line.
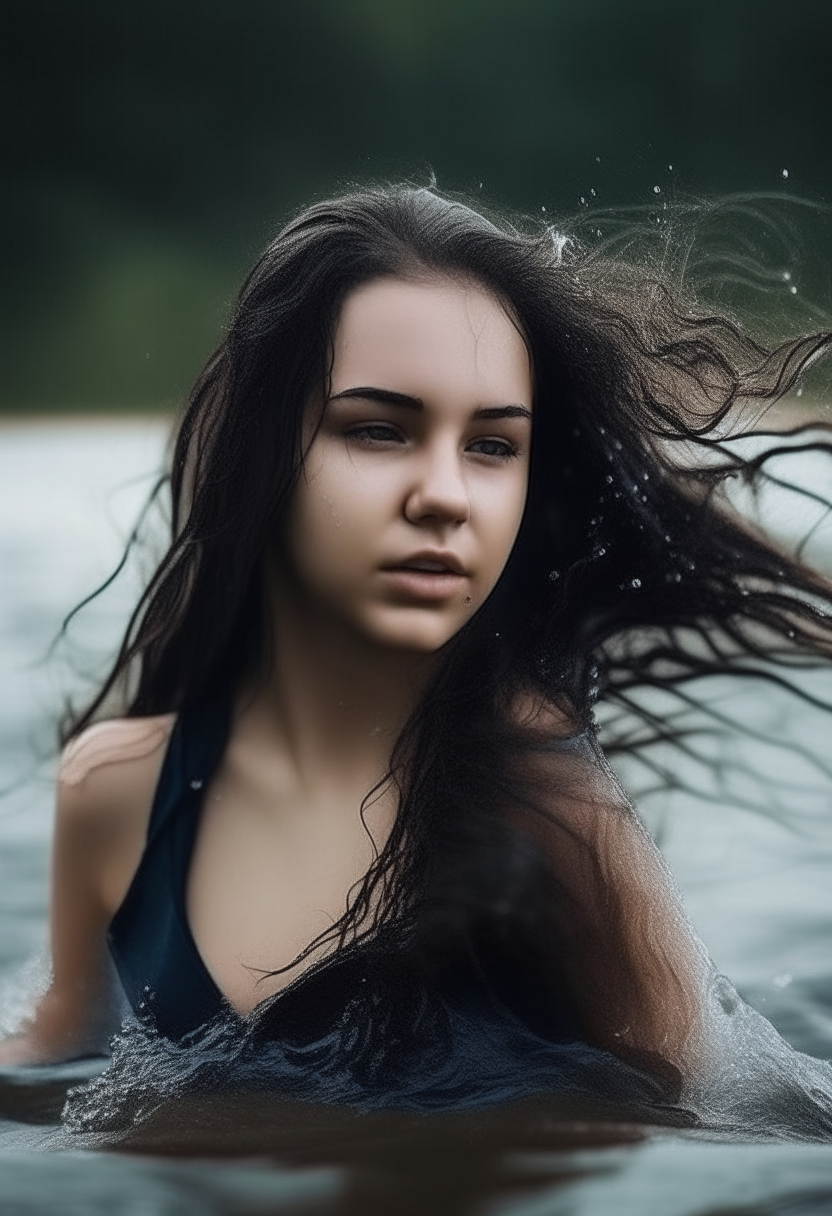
<point x="415" y="637"/>
<point x="408" y="643"/>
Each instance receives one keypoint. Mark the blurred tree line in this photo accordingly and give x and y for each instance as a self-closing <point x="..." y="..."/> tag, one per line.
<point x="150" y="149"/>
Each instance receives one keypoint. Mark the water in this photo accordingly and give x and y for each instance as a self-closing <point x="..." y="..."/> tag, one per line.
<point x="756" y="884"/>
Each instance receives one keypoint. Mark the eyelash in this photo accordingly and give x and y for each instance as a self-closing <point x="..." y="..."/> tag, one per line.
<point x="364" y="434"/>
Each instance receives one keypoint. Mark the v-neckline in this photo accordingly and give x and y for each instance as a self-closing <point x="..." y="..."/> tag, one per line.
<point x="196" y="786"/>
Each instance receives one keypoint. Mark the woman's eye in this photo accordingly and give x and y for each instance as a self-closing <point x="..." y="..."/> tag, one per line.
<point x="500" y="448"/>
<point x="374" y="432"/>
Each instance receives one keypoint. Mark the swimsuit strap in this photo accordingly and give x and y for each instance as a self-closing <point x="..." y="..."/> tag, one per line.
<point x="194" y="751"/>
<point x="163" y="975"/>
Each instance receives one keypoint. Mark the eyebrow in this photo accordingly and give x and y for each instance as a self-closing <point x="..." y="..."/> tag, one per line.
<point x="386" y="396"/>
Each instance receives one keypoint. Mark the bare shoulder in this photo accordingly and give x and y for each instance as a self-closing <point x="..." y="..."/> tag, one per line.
<point x="106" y="782"/>
<point x="113" y="766"/>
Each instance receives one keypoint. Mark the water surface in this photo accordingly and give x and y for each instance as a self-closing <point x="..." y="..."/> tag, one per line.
<point x="756" y="884"/>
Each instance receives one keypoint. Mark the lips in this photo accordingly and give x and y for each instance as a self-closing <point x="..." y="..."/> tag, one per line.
<point x="428" y="577"/>
<point x="430" y="562"/>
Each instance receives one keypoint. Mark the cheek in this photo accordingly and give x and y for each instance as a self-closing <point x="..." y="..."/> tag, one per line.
<point x="331" y="524"/>
<point x="501" y="516"/>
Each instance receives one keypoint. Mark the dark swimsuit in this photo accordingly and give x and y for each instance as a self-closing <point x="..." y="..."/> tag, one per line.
<point x="368" y="1024"/>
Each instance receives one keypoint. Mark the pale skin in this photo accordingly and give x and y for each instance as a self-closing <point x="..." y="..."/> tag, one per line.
<point x="421" y="457"/>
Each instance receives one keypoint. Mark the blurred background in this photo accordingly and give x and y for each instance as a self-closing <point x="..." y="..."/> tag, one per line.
<point x="150" y="149"/>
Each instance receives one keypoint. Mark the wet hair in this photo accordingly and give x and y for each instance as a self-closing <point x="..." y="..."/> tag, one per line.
<point x="632" y="571"/>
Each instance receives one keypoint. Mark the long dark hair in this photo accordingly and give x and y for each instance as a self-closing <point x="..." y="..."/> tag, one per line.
<point x="631" y="569"/>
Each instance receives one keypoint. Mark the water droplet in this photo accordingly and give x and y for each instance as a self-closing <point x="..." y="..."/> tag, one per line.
<point x="608" y="479"/>
<point x="600" y="551"/>
<point x="583" y="201"/>
<point x="542" y="208"/>
<point x="496" y="635"/>
<point x="635" y="583"/>
<point x="800" y="391"/>
<point x="657" y="189"/>
<point x="782" y="981"/>
<point x="646" y="476"/>
<point x="784" y="173"/>
<point x="592" y="191"/>
<point x="728" y="1002"/>
<point x="670" y="168"/>
<point x="554" y="575"/>
<point x="196" y="784"/>
<point x="597" y="160"/>
<point x="793" y="289"/>
<point x="787" y="274"/>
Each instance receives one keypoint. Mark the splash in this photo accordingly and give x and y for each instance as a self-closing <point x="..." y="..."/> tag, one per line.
<point x="20" y="990"/>
<point x="750" y="1085"/>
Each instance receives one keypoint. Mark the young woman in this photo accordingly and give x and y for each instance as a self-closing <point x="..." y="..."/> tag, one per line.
<point x="442" y="486"/>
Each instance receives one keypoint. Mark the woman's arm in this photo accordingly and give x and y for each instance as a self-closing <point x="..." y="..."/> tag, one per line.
<point x="616" y="928"/>
<point x="105" y="788"/>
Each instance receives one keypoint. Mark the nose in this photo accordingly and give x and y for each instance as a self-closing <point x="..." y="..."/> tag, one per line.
<point x="438" y="493"/>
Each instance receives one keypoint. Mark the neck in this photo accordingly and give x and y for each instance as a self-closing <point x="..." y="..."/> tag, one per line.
<point x="335" y="701"/>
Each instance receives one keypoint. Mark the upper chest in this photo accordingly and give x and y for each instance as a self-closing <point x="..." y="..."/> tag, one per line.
<point x="270" y="871"/>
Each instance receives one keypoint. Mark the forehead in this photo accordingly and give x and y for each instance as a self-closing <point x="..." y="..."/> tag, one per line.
<point x="430" y="338"/>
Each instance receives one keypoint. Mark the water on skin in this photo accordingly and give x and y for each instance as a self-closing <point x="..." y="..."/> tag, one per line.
<point x="756" y="884"/>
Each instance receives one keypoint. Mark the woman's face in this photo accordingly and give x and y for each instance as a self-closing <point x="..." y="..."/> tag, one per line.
<point x="413" y="486"/>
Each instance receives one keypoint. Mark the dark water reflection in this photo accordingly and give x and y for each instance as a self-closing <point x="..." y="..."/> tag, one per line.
<point x="234" y="1155"/>
<point x="348" y="1162"/>
<point x="403" y="1163"/>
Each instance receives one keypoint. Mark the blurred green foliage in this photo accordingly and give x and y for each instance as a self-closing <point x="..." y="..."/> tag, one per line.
<point x="150" y="149"/>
